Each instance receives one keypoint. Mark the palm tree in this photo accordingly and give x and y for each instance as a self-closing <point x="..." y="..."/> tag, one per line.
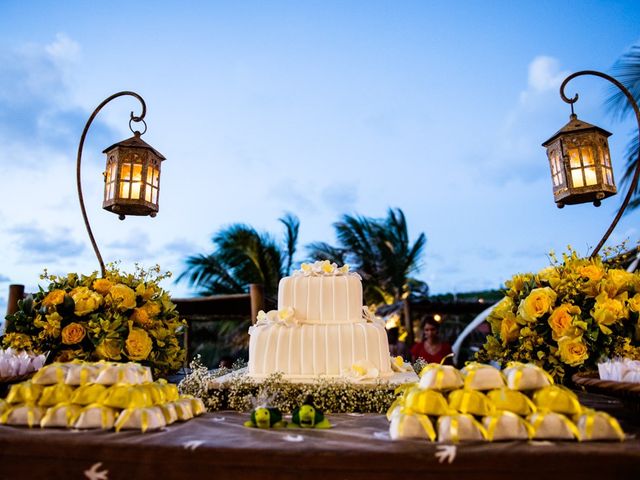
<point x="380" y="251"/>
<point x="242" y="256"/>
<point x="627" y="71"/>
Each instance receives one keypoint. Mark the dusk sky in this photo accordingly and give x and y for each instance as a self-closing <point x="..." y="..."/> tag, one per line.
<point x="315" y="108"/>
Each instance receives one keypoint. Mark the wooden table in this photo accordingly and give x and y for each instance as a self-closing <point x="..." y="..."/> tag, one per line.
<point x="217" y="446"/>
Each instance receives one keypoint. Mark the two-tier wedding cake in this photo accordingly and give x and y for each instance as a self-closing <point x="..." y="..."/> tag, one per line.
<point x="319" y="329"/>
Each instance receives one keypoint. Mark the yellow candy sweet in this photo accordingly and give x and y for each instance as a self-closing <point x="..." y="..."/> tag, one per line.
<point x="440" y="377"/>
<point x="427" y="402"/>
<point x="461" y="427"/>
<point x="169" y="412"/>
<point x="125" y="396"/>
<point x="526" y="376"/>
<point x="142" y="419"/>
<point x="511" y="401"/>
<point x="506" y="426"/>
<point x="593" y="425"/>
<point x="470" y="401"/>
<point x="556" y="398"/>
<point x="552" y="425"/>
<point x="81" y="373"/>
<point x="23" y="414"/>
<point x="54" y="394"/>
<point x="409" y="424"/>
<point x="183" y="409"/>
<point x="62" y="415"/>
<point x="96" y="416"/>
<point x="24" y="392"/>
<point x="51" y="374"/>
<point x="478" y="376"/>
<point x="87" y="394"/>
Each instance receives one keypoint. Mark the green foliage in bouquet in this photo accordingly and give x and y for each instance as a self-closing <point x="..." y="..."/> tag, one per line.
<point x="122" y="317"/>
<point x="566" y="317"/>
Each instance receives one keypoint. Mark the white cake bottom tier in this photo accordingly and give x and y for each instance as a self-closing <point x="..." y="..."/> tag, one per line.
<point x="312" y="350"/>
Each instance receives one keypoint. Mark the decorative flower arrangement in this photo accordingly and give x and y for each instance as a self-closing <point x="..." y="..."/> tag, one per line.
<point x="117" y="318"/>
<point x="566" y="317"/>
<point x="322" y="268"/>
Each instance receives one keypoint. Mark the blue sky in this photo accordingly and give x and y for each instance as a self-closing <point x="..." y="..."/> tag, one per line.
<point x="315" y="108"/>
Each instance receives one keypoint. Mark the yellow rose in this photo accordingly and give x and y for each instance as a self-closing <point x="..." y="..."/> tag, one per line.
<point x="634" y="303"/>
<point x="572" y="351"/>
<point x="102" y="286"/>
<point x="537" y="303"/>
<point x="66" y="355"/>
<point x="138" y="344"/>
<point x="608" y="311"/>
<point x="141" y="317"/>
<point x="152" y="308"/>
<point x="550" y="275"/>
<point x="109" y="349"/>
<point x="617" y="281"/>
<point x="145" y="291"/>
<point x="509" y="329"/>
<point x="591" y="272"/>
<point x="561" y="320"/>
<point x="53" y="298"/>
<point x="73" y="333"/>
<point x="122" y="297"/>
<point x="85" y="300"/>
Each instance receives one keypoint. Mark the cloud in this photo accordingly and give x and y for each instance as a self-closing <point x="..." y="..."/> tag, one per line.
<point x="181" y="246"/>
<point x="4" y="278"/>
<point x="340" y="197"/>
<point x="292" y="198"/>
<point x="39" y="245"/>
<point x="544" y="75"/>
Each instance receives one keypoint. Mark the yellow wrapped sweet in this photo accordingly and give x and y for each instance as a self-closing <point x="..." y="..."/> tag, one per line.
<point x="552" y="426"/>
<point x="409" y="424"/>
<point x="506" y="426"/>
<point x="511" y="401"/>
<point x="183" y="409"/>
<point x="169" y="412"/>
<point x="155" y="391"/>
<point x="556" y="398"/>
<point x="478" y="376"/>
<point x="96" y="416"/>
<point x="473" y="402"/>
<point x="81" y="373"/>
<point x="593" y="425"/>
<point x="170" y="390"/>
<point x="23" y="414"/>
<point x="142" y="419"/>
<point x="526" y="376"/>
<point x="197" y="405"/>
<point x="125" y="396"/>
<point x="62" y="415"/>
<point x="24" y="392"/>
<point x="440" y="377"/>
<point x="130" y="373"/>
<point x="4" y="406"/>
<point x="427" y="402"/>
<point x="87" y="394"/>
<point x="54" y="394"/>
<point x="460" y="427"/>
<point x="51" y="374"/>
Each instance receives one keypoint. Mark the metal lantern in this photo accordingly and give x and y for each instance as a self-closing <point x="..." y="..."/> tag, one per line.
<point x="580" y="163"/>
<point x="132" y="178"/>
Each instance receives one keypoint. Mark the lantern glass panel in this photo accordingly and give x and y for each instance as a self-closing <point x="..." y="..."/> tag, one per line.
<point x="591" y="176"/>
<point x="556" y="168"/>
<point x="154" y="195"/>
<point x="124" y="190"/>
<point x="574" y="158"/>
<point x="576" y="177"/>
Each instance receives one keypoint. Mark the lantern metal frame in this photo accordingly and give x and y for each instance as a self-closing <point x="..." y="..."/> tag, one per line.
<point x="634" y="182"/>
<point x="134" y="118"/>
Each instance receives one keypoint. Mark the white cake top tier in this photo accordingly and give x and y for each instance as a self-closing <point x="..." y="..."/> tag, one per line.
<point x="322" y="293"/>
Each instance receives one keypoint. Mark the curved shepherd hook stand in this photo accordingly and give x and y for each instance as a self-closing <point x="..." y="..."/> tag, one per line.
<point x="78" y="176"/>
<point x="634" y="181"/>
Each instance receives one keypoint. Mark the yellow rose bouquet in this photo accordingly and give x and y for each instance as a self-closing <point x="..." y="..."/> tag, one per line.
<point x="566" y="317"/>
<point x="117" y="318"/>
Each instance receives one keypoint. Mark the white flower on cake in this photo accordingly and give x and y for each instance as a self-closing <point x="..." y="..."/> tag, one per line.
<point x="360" y="371"/>
<point x="322" y="268"/>
<point x="399" y="365"/>
<point x="284" y="317"/>
<point x="371" y="317"/>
